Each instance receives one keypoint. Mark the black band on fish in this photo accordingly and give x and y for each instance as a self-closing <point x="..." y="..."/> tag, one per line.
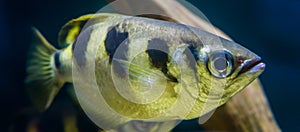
<point x="158" y="54"/>
<point x="194" y="52"/>
<point x="80" y="46"/>
<point x="74" y="45"/>
<point x="114" y="39"/>
<point x="68" y="32"/>
<point x="193" y="56"/>
<point x="193" y="43"/>
<point x="57" y="60"/>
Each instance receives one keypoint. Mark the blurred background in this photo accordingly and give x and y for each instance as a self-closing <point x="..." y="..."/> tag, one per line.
<point x="269" y="28"/>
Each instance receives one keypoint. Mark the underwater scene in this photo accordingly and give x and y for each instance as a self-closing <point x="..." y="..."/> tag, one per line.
<point x="149" y="65"/>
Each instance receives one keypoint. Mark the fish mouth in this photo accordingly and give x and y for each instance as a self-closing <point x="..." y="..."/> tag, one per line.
<point x="252" y="66"/>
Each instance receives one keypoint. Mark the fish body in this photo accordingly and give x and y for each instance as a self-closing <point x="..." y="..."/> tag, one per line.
<point x="144" y="69"/>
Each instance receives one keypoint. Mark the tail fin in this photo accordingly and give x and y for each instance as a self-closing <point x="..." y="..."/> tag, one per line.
<point x="42" y="81"/>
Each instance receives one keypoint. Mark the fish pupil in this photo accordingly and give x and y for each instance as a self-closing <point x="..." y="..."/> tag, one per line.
<point x="220" y="64"/>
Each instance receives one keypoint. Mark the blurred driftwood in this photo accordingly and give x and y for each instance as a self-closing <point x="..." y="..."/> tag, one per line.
<point x="248" y="110"/>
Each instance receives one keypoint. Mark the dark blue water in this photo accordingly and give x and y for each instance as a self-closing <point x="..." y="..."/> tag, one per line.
<point x="270" y="28"/>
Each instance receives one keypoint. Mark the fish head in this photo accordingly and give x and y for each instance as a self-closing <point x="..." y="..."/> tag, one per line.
<point x="223" y="69"/>
<point x="209" y="70"/>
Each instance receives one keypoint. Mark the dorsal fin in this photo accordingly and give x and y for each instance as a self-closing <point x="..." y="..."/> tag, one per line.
<point x="158" y="17"/>
<point x="70" y="30"/>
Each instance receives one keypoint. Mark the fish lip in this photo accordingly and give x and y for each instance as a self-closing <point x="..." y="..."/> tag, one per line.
<point x="252" y="66"/>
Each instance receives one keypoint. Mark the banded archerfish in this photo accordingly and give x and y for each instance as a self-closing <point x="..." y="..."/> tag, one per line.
<point x="145" y="69"/>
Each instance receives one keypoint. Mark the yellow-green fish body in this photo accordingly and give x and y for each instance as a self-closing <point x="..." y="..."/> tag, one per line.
<point x="143" y="69"/>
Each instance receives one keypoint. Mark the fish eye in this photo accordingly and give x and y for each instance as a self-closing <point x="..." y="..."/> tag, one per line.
<point x="220" y="63"/>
